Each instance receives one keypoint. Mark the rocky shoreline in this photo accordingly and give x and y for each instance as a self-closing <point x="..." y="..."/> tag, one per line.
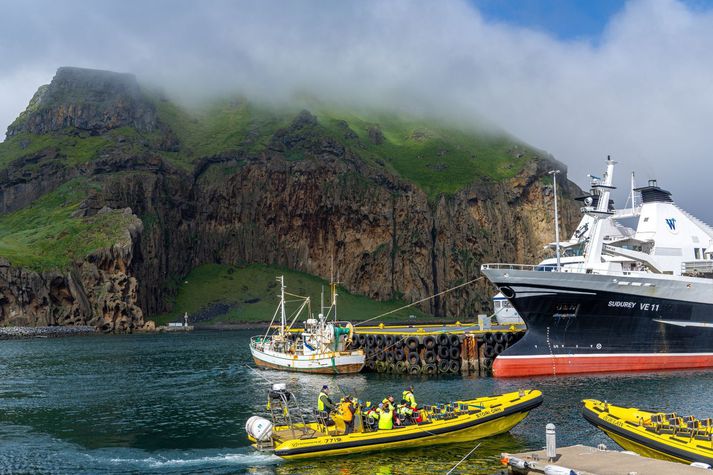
<point x="13" y="333"/>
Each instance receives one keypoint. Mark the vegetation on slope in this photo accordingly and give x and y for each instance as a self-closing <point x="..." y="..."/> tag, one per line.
<point x="45" y="235"/>
<point x="218" y="293"/>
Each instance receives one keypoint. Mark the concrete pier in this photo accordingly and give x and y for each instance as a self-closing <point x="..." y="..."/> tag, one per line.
<point x="586" y="460"/>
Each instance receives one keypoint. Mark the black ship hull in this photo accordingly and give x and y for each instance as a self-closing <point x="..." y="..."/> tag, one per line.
<point x="583" y="323"/>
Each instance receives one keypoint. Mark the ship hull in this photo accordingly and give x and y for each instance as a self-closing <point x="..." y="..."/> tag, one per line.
<point x="321" y="363"/>
<point x="588" y="323"/>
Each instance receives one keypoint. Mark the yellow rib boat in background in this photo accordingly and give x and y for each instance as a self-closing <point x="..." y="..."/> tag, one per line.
<point x="653" y="434"/>
<point x="459" y="421"/>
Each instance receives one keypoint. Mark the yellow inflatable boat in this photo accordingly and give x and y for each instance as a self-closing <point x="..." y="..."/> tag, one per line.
<point x="458" y="421"/>
<point x="653" y="434"/>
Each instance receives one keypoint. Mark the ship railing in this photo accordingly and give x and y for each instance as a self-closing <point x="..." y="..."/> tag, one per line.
<point x="697" y="268"/>
<point x="501" y="266"/>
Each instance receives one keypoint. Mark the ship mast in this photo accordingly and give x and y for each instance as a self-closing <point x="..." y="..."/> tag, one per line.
<point x="593" y="255"/>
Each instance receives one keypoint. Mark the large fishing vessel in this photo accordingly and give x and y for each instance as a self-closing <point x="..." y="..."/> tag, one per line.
<point x="322" y="347"/>
<point x="615" y="298"/>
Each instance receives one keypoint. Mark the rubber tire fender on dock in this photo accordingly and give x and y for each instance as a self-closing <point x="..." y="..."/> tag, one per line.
<point x="414" y="369"/>
<point x="455" y="341"/>
<point x="380" y="355"/>
<point x="487" y="363"/>
<point x="413" y="358"/>
<point x="443" y="339"/>
<point x="390" y="358"/>
<point x="443" y="366"/>
<point x="488" y="338"/>
<point x="412" y="343"/>
<point x="429" y="342"/>
<point x="509" y="337"/>
<point x="380" y="366"/>
<point x="399" y="342"/>
<point x="380" y="341"/>
<point x="370" y="341"/>
<point x="388" y="340"/>
<point x="488" y="351"/>
<point x="371" y="365"/>
<point x="454" y="353"/>
<point x="430" y="369"/>
<point x="499" y="348"/>
<point x="454" y="366"/>
<point x="444" y="352"/>
<point x="401" y="367"/>
<point x="499" y="337"/>
<point x="429" y="356"/>
<point x="399" y="355"/>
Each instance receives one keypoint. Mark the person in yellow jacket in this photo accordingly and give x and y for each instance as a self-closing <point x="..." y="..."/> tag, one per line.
<point x="409" y="397"/>
<point x="346" y="410"/>
<point x="323" y="401"/>
<point x="386" y="417"/>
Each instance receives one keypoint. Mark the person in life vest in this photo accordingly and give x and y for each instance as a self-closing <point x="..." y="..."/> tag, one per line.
<point x="346" y="410"/>
<point x="389" y="404"/>
<point x="386" y="417"/>
<point x="371" y="416"/>
<point x="323" y="401"/>
<point x="409" y="397"/>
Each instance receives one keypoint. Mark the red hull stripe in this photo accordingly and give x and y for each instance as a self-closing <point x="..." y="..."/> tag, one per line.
<point x="518" y="366"/>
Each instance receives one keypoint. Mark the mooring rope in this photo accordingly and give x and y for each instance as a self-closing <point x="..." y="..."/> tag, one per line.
<point x="419" y="301"/>
<point x="463" y="459"/>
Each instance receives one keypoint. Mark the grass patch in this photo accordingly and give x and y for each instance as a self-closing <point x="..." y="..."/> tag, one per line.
<point x="251" y="292"/>
<point x="45" y="236"/>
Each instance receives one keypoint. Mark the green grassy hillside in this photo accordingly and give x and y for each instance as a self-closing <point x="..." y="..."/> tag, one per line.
<point x="436" y="157"/>
<point x="45" y="235"/>
<point x="217" y="293"/>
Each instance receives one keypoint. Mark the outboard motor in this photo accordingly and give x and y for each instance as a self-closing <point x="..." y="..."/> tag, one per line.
<point x="259" y="428"/>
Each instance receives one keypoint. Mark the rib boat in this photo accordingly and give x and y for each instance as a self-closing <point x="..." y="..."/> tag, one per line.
<point x="288" y="435"/>
<point x="653" y="434"/>
<point x="615" y="298"/>
<point x="321" y="347"/>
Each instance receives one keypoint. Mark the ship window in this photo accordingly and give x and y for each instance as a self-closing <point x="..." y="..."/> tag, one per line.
<point x="697" y="253"/>
<point x="497" y="304"/>
<point x="646" y="219"/>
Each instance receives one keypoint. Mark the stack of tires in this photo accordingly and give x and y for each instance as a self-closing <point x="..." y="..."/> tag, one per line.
<point x="444" y="352"/>
<point x="495" y="343"/>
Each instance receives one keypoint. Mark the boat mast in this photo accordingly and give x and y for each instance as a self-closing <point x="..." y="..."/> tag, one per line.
<point x="283" y="317"/>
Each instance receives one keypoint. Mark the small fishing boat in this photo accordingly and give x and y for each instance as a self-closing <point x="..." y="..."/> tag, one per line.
<point x="288" y="435"/>
<point x="322" y="347"/>
<point x="665" y="436"/>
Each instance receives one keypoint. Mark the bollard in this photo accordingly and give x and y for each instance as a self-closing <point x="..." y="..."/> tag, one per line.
<point x="551" y="442"/>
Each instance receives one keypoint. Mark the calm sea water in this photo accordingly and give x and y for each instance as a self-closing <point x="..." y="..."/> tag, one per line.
<point x="177" y="403"/>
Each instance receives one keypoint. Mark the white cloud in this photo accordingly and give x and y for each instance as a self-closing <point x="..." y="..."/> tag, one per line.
<point x="643" y="92"/>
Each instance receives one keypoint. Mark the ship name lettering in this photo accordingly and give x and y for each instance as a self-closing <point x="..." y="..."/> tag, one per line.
<point x="619" y="303"/>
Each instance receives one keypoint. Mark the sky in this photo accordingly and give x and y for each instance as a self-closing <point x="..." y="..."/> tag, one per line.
<point x="578" y="79"/>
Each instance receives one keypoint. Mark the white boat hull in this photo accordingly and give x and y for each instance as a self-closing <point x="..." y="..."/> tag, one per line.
<point x="327" y="363"/>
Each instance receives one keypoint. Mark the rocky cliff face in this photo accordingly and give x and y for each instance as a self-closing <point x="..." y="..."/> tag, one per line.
<point x="86" y="100"/>
<point x="387" y="237"/>
<point x="98" y="291"/>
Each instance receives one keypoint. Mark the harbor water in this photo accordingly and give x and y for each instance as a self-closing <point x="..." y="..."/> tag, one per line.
<point x="177" y="403"/>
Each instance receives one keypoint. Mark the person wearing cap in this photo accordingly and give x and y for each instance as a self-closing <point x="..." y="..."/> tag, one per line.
<point x="324" y="404"/>
<point x="409" y="397"/>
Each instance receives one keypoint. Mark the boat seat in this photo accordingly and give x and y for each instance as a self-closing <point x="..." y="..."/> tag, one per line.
<point x="708" y="423"/>
<point x="684" y="432"/>
<point x="702" y="436"/>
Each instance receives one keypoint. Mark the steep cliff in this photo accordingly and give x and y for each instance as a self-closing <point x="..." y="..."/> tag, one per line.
<point x="403" y="210"/>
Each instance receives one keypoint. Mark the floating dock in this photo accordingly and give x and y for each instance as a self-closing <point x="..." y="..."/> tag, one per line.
<point x="586" y="460"/>
<point x="435" y="348"/>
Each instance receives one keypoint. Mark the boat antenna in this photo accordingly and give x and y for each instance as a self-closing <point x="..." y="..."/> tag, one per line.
<point x="633" y="199"/>
<point x="554" y="174"/>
